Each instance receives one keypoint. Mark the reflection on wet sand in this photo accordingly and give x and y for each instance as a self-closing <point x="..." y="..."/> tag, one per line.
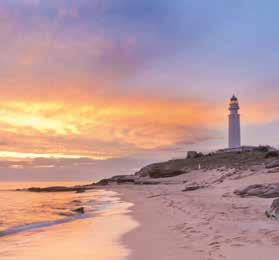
<point x="95" y="237"/>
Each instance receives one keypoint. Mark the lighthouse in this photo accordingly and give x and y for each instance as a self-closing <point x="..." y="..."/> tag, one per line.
<point x="234" y="124"/>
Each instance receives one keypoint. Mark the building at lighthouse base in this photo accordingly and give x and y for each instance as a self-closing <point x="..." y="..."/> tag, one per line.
<point x="238" y="149"/>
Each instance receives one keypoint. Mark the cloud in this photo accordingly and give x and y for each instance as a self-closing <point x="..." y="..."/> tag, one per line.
<point x="111" y="128"/>
<point x="105" y="79"/>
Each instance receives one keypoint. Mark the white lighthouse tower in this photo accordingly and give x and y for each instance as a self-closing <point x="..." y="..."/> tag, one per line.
<point x="234" y="124"/>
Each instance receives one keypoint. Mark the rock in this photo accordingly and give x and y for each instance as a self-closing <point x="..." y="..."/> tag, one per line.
<point x="80" y="190"/>
<point x="147" y="182"/>
<point x="192" y="188"/>
<point x="160" y="170"/>
<point x="273" y="212"/>
<point x="172" y="168"/>
<point x="260" y="190"/>
<point x="273" y="164"/>
<point x="191" y="154"/>
<point x="125" y="179"/>
<point x="34" y="189"/>
<point x="194" y="154"/>
<point x="76" y="201"/>
<point x="66" y="214"/>
<point x="263" y="148"/>
<point x="167" y="169"/>
<point x="77" y="189"/>
<point x="274" y="170"/>
<point x="103" y="182"/>
<point x="271" y="154"/>
<point x="79" y="210"/>
<point x="119" y="179"/>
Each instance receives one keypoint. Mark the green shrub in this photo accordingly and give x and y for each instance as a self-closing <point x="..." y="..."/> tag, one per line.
<point x="262" y="148"/>
<point x="272" y="154"/>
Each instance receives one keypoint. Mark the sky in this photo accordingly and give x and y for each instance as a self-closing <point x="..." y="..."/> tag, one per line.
<point x="104" y="86"/>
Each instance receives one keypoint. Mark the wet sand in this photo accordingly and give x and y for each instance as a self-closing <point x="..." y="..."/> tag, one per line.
<point x="97" y="238"/>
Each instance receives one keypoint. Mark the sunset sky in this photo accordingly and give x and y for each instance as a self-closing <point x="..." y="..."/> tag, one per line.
<point x="109" y="85"/>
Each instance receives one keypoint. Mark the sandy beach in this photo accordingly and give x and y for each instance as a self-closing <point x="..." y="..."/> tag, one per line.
<point x="211" y="207"/>
<point x="206" y="224"/>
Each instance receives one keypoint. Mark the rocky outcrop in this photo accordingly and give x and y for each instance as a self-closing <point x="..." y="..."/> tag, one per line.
<point x="80" y="190"/>
<point x="77" y="189"/>
<point x="51" y="189"/>
<point x="191" y="154"/>
<point x="273" y="212"/>
<point x="154" y="173"/>
<point x="260" y="190"/>
<point x="272" y="164"/>
<point x="119" y="179"/>
<point x="272" y="154"/>
<point x="192" y="188"/>
<point x="274" y="170"/>
<point x="79" y="210"/>
<point x="196" y="161"/>
<point x="162" y="170"/>
<point x="124" y="179"/>
<point x="146" y="182"/>
<point x="103" y="182"/>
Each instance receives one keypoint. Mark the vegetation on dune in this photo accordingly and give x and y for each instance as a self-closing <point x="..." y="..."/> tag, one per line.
<point x="238" y="160"/>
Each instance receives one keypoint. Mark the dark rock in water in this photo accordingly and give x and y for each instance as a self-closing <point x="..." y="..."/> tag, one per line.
<point x="66" y="214"/>
<point x="192" y="188"/>
<point x="79" y="210"/>
<point x="273" y="212"/>
<point x="77" y="189"/>
<point x="260" y="190"/>
<point x="34" y="189"/>
<point x="76" y="201"/>
<point x="80" y="190"/>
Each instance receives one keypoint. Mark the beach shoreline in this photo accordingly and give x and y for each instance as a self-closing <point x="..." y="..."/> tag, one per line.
<point x="205" y="208"/>
<point x="94" y="235"/>
<point x="210" y="223"/>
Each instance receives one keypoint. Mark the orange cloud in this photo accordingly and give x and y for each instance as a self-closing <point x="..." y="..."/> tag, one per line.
<point x="108" y="127"/>
<point x="63" y="93"/>
<point x="100" y="129"/>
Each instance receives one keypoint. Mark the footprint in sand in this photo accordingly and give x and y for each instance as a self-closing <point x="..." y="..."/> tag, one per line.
<point x="237" y="245"/>
<point x="195" y="232"/>
<point x="189" y="228"/>
<point x="214" y="243"/>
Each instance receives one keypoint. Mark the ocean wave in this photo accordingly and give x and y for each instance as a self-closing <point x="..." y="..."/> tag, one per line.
<point x="40" y="225"/>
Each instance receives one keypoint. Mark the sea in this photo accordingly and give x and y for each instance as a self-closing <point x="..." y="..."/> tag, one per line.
<point x="44" y="226"/>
